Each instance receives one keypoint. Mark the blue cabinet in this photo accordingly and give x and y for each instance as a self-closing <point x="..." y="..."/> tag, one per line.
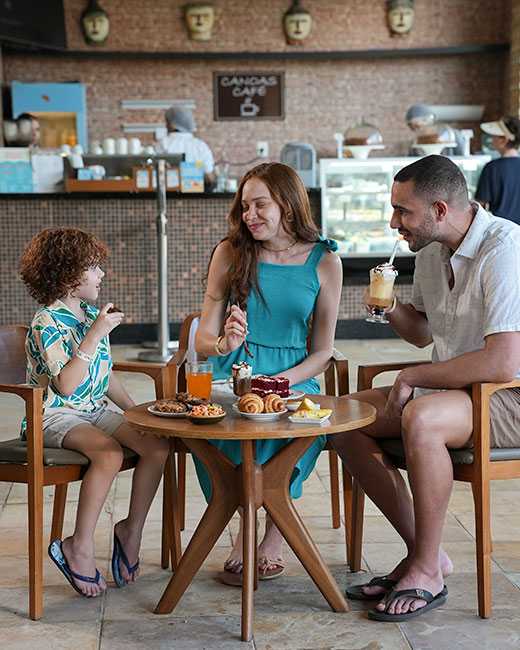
<point x="60" y="107"/>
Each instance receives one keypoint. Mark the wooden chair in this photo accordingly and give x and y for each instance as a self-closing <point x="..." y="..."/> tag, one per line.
<point x="336" y="379"/>
<point x="477" y="466"/>
<point x="30" y="463"/>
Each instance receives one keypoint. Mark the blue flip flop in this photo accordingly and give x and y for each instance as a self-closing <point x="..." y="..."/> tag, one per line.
<point x="118" y="554"/>
<point x="56" y="554"/>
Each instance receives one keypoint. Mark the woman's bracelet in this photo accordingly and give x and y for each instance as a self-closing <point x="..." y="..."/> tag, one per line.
<point x="84" y="356"/>
<point x="217" y="347"/>
<point x="392" y="308"/>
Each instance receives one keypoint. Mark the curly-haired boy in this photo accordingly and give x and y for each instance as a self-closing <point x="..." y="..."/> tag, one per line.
<point x="68" y="354"/>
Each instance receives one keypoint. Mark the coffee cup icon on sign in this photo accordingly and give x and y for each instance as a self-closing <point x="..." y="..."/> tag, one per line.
<point x="248" y="109"/>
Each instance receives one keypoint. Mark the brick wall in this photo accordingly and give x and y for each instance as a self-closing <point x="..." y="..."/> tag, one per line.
<point x="321" y="97"/>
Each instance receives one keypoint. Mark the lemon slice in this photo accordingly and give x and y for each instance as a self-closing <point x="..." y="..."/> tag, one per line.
<point x="323" y="413"/>
<point x="307" y="405"/>
<point x="315" y="414"/>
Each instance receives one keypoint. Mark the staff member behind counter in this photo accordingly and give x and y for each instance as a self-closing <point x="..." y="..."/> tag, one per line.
<point x="180" y="140"/>
<point x="498" y="188"/>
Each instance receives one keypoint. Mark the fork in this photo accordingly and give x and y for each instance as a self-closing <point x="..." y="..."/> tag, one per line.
<point x="246" y="346"/>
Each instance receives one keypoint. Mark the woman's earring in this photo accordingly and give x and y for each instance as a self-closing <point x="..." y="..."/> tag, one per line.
<point x="289" y="218"/>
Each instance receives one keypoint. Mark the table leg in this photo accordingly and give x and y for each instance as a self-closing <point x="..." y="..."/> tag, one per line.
<point x="278" y="503"/>
<point x="224" y="502"/>
<point x="174" y="515"/>
<point x="249" y="537"/>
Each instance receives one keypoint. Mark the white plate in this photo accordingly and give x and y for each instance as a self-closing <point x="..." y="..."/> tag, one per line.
<point x="294" y="394"/>
<point x="162" y="414"/>
<point x="295" y="420"/>
<point x="259" y="417"/>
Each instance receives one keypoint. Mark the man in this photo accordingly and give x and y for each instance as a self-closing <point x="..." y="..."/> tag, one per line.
<point x="465" y="300"/>
<point x="180" y="140"/>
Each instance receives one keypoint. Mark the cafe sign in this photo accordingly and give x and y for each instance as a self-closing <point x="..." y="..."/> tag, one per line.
<point x="248" y="96"/>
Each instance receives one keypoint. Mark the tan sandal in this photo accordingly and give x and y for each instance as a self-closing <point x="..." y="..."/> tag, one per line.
<point x="270" y="569"/>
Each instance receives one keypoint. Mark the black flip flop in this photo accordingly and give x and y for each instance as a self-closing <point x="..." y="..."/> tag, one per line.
<point x="355" y="592"/>
<point x="431" y="603"/>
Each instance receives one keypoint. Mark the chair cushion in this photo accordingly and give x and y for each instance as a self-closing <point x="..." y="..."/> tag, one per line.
<point x="394" y="447"/>
<point x="15" y="452"/>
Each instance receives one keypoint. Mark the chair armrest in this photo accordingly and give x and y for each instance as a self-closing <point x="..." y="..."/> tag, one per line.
<point x="367" y="373"/>
<point x="481" y="393"/>
<point x="146" y="368"/>
<point x="336" y="375"/>
<point x="33" y="398"/>
<point x="164" y="376"/>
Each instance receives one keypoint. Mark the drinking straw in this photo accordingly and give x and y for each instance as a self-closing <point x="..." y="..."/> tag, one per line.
<point x="391" y="260"/>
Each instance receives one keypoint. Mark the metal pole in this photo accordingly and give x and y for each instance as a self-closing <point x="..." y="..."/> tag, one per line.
<point x="163" y="353"/>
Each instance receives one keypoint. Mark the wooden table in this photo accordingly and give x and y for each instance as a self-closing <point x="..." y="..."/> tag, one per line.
<point x="251" y="486"/>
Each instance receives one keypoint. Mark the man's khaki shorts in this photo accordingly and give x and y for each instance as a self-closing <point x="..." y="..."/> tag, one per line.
<point x="504" y="416"/>
<point x="57" y="422"/>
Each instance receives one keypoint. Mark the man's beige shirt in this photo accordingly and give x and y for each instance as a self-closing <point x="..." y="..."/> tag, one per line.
<point x="485" y="298"/>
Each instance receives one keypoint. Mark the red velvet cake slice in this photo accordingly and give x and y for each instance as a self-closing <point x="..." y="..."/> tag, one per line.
<point x="263" y="385"/>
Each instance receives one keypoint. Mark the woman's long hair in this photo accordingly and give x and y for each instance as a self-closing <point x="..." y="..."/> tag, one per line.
<point x="288" y="191"/>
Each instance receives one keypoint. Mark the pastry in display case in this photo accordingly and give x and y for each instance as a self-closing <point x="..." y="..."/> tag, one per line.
<point x="355" y="202"/>
<point x="433" y="138"/>
<point x="361" y="139"/>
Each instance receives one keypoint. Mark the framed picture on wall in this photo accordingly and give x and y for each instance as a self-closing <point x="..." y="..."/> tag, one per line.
<point x="248" y="96"/>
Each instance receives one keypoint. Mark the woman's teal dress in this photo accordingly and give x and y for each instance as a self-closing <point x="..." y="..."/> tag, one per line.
<point x="277" y="338"/>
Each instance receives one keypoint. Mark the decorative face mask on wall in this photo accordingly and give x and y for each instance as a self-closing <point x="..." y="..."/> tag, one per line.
<point x="199" y="21"/>
<point x="297" y="23"/>
<point x="95" y="24"/>
<point x="400" y="16"/>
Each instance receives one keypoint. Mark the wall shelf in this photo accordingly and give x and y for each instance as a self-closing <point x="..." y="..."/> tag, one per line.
<point x="290" y="55"/>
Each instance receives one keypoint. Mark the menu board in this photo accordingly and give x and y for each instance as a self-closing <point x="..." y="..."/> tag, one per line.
<point x="248" y="95"/>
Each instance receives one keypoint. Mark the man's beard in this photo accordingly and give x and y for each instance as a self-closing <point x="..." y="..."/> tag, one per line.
<point x="426" y="235"/>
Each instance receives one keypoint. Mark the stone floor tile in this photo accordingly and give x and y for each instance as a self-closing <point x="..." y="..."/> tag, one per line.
<point x="504" y="528"/>
<point x="448" y="627"/>
<point x="61" y="604"/>
<point x="325" y="630"/>
<point x="215" y="632"/>
<point x="507" y="555"/>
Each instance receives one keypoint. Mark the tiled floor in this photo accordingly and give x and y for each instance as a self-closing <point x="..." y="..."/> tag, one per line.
<point x="290" y="613"/>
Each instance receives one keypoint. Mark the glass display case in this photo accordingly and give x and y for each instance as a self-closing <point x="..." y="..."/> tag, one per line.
<point x="355" y="202"/>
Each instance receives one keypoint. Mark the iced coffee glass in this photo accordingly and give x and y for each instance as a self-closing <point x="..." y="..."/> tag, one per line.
<point x="381" y="292"/>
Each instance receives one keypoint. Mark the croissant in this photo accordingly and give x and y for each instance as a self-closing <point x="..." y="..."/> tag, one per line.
<point x="251" y="403"/>
<point x="273" y="403"/>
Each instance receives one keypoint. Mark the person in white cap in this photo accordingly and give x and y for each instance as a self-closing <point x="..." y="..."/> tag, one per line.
<point x="498" y="187"/>
<point x="180" y="140"/>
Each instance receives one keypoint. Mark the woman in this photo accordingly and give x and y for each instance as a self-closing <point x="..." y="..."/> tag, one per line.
<point x="498" y="188"/>
<point x="275" y="273"/>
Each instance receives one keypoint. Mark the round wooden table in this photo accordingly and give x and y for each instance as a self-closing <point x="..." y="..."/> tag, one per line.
<point x="251" y="486"/>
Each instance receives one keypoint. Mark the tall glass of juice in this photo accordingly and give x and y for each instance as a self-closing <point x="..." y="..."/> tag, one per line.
<point x="198" y="378"/>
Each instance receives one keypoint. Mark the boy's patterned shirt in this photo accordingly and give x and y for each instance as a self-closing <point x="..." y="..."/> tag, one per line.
<point x="53" y="338"/>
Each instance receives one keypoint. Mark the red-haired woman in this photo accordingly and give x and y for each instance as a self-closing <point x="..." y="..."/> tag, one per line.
<point x="275" y="274"/>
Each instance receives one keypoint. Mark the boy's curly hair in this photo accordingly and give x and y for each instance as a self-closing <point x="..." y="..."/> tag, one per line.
<point x="55" y="259"/>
